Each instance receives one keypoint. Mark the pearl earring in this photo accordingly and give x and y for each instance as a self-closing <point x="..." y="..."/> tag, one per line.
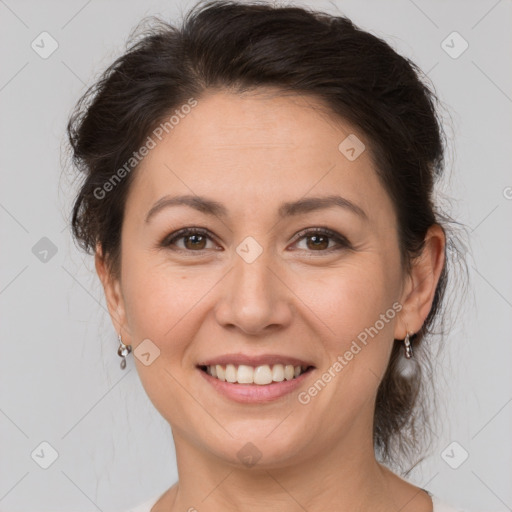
<point x="123" y="351"/>
<point x="408" y="347"/>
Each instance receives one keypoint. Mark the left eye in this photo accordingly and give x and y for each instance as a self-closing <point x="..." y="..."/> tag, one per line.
<point x="320" y="238"/>
<point x="195" y="239"/>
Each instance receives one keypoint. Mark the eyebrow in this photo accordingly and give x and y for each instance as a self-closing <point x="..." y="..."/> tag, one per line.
<point x="211" y="207"/>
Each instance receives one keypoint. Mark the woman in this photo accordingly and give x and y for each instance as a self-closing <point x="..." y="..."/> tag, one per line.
<point x="258" y="194"/>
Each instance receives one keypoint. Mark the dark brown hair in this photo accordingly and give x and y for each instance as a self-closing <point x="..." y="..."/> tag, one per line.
<point x="242" y="46"/>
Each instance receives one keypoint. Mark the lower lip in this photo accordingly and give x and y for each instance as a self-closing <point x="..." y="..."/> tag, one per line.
<point x="255" y="393"/>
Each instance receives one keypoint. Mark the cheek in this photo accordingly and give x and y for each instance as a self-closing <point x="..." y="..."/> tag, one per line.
<point x="350" y="298"/>
<point x="155" y="300"/>
<point x="165" y="303"/>
<point x="357" y="306"/>
<point x="341" y="302"/>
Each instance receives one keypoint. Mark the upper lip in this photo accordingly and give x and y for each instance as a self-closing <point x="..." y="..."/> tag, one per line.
<point x="262" y="359"/>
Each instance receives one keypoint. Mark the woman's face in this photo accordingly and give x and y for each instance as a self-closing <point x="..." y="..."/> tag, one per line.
<point x="254" y="284"/>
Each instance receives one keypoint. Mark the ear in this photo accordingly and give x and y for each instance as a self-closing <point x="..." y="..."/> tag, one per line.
<point x="419" y="291"/>
<point x="113" y="294"/>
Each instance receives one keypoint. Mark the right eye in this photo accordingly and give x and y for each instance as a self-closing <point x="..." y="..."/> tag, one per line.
<point x="195" y="239"/>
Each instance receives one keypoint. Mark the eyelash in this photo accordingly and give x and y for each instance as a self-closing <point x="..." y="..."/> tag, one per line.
<point x="342" y="242"/>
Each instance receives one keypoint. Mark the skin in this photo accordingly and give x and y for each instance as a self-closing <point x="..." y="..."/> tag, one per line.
<point x="252" y="152"/>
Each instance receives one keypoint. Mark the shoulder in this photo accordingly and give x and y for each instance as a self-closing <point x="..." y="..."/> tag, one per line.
<point x="146" y="506"/>
<point x="441" y="506"/>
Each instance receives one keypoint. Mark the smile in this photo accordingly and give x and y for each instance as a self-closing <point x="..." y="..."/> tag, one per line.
<point x="260" y="386"/>
<point x="261" y="375"/>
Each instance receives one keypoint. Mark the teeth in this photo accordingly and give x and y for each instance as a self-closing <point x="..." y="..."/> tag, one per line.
<point x="231" y="373"/>
<point x="261" y="375"/>
<point x="245" y="374"/>
<point x="221" y="372"/>
<point x="278" y="373"/>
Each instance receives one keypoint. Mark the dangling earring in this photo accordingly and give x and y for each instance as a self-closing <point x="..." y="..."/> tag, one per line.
<point x="123" y="351"/>
<point x="408" y="347"/>
<point x="407" y="366"/>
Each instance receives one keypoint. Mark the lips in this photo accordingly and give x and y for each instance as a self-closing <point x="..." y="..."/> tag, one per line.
<point x="287" y="373"/>
<point x="256" y="394"/>
<point x="259" y="360"/>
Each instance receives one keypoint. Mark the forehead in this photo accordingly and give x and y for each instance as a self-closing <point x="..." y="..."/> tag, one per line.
<point x="260" y="124"/>
<point x="259" y="145"/>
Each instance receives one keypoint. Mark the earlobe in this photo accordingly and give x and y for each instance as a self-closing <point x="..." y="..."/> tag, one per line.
<point x="422" y="283"/>
<point x="112" y="290"/>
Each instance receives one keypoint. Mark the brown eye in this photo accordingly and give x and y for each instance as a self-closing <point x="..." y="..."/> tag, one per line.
<point x="319" y="239"/>
<point x="194" y="239"/>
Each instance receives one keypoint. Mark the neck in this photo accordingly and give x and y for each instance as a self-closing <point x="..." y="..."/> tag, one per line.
<point x="344" y="478"/>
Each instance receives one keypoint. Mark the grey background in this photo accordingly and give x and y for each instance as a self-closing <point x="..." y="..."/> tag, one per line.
<point x="60" y="380"/>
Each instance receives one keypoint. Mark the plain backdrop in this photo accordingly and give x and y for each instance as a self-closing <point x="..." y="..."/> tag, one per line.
<point x="60" y="381"/>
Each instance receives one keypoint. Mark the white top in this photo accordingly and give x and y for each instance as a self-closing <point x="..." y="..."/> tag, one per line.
<point x="439" y="506"/>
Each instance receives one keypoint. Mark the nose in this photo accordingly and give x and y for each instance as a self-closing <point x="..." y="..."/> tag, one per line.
<point x="255" y="298"/>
